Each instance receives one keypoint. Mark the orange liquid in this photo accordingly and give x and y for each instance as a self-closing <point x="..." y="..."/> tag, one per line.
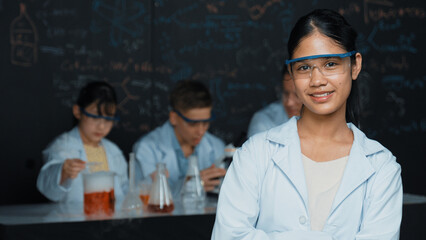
<point x="144" y="198"/>
<point x="165" y="209"/>
<point x="99" y="203"/>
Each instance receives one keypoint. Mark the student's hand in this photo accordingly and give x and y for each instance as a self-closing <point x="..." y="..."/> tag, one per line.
<point x="71" y="168"/>
<point x="209" y="177"/>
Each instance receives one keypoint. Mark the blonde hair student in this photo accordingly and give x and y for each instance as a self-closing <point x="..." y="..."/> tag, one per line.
<point x="316" y="176"/>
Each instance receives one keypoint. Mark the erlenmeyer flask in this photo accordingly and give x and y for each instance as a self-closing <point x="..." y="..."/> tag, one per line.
<point x="160" y="196"/>
<point x="192" y="192"/>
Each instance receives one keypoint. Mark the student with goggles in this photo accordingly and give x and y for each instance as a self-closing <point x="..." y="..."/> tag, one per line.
<point x="84" y="147"/>
<point x="278" y="112"/>
<point x="183" y="135"/>
<point x="316" y="176"/>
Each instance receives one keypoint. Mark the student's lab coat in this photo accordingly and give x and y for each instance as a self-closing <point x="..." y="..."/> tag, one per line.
<point x="157" y="146"/>
<point x="69" y="145"/>
<point x="264" y="194"/>
<point x="268" y="117"/>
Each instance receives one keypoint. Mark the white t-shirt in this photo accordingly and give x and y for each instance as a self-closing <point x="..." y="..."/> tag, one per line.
<point x="322" y="180"/>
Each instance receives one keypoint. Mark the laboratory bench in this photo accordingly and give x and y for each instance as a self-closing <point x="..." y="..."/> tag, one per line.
<point x="67" y="221"/>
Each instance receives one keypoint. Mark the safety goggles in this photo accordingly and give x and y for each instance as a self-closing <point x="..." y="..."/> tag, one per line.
<point x="115" y="118"/>
<point x="327" y="65"/>
<point x="188" y="120"/>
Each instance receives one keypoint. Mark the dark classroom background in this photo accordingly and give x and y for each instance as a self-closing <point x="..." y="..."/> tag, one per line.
<point x="50" y="49"/>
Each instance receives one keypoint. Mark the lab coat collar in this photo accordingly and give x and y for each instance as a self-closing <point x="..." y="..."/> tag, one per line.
<point x="288" y="159"/>
<point x="286" y="133"/>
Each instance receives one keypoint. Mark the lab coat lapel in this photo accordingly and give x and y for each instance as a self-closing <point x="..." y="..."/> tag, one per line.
<point x="288" y="157"/>
<point x="358" y="168"/>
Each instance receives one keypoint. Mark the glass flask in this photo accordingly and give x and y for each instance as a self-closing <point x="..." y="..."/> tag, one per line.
<point x="160" y="196"/>
<point x="192" y="191"/>
<point x="132" y="200"/>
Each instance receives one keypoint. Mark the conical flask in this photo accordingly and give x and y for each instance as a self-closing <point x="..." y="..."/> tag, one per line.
<point x="160" y="197"/>
<point x="192" y="192"/>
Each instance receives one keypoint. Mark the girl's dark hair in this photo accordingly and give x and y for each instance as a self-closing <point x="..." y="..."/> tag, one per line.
<point x="189" y="94"/>
<point x="334" y="26"/>
<point x="100" y="92"/>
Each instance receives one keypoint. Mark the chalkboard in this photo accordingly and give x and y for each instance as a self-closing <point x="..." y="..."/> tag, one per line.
<point x="50" y="49"/>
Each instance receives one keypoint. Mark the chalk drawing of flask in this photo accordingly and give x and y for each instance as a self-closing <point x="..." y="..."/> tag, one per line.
<point x="23" y="39"/>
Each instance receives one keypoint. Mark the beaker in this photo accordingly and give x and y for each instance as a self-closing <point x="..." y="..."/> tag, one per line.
<point x="99" y="196"/>
<point x="192" y="192"/>
<point x="160" y="197"/>
<point x="144" y="189"/>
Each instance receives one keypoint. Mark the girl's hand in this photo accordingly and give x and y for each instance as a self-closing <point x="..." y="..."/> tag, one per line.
<point x="71" y="168"/>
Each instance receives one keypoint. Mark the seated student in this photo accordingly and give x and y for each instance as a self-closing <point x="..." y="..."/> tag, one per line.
<point x="277" y="112"/>
<point x="60" y="178"/>
<point x="183" y="135"/>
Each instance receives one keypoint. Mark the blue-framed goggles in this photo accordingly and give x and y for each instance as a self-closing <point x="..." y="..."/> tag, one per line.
<point x="340" y="55"/>
<point x="188" y="120"/>
<point x="116" y="118"/>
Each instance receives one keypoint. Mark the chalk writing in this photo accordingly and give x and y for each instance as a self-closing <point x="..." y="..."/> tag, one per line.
<point x="257" y="11"/>
<point x="240" y="86"/>
<point x="352" y="8"/>
<point x="409" y="126"/>
<point x="390" y="63"/>
<point x="52" y="50"/>
<point x="397" y="102"/>
<point x="120" y="19"/>
<point x="23" y="39"/>
<point x="400" y="82"/>
<point x="214" y="7"/>
<point x="390" y="12"/>
<point x="88" y="65"/>
<point x="182" y="73"/>
<point x="404" y="42"/>
<point x="55" y="32"/>
<point x="128" y="96"/>
<point x="174" y="18"/>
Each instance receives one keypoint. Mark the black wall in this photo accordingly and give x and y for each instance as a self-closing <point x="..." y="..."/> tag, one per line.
<point x="235" y="47"/>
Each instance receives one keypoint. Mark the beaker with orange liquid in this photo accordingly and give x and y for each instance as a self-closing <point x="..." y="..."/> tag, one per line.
<point x="99" y="198"/>
<point x="144" y="189"/>
<point x="160" y="196"/>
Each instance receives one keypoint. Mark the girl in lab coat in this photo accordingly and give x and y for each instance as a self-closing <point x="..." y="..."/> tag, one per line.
<point x="316" y="176"/>
<point x="85" y="146"/>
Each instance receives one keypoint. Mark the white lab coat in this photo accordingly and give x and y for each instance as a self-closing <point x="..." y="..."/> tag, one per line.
<point x="157" y="147"/>
<point x="268" y="117"/>
<point x="70" y="145"/>
<point x="264" y="194"/>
